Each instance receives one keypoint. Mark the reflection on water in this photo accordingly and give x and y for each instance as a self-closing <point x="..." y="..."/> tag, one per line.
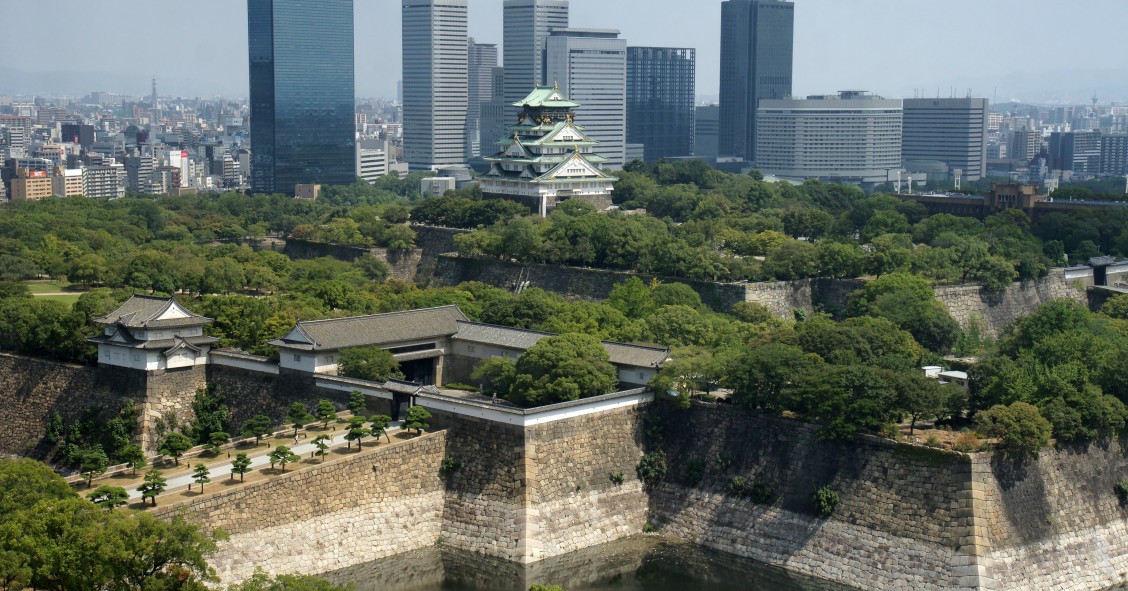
<point x="644" y="563"/>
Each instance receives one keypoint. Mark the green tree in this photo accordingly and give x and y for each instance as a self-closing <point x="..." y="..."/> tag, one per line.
<point x="109" y="497"/>
<point x="175" y="444"/>
<point x="633" y="298"/>
<point x="495" y="375"/>
<point x="357" y="434"/>
<point x="762" y="377"/>
<point x="153" y="485"/>
<point x="369" y="363"/>
<point x="258" y="427"/>
<point x="1019" y="427"/>
<point x="326" y="412"/>
<point x="560" y="368"/>
<point x="416" y="418"/>
<point x="201" y="475"/>
<point x="920" y="397"/>
<point x="299" y="415"/>
<point x="93" y="463"/>
<point x="541" y="587"/>
<point x="357" y="402"/>
<point x="133" y="457"/>
<point x="321" y="442"/>
<point x="217" y="440"/>
<point x="378" y="425"/>
<point x="282" y="456"/>
<point x="240" y="465"/>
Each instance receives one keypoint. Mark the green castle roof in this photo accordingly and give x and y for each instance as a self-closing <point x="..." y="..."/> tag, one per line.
<point x="543" y="96"/>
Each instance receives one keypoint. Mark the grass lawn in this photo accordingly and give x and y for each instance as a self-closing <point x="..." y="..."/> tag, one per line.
<point x="36" y="286"/>
<point x="68" y="299"/>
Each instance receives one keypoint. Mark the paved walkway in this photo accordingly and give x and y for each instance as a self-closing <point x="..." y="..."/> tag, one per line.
<point x="223" y="471"/>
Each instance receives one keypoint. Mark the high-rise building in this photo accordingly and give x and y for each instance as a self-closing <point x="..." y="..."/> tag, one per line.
<point x="661" y="85"/>
<point x="493" y="119"/>
<point x="1114" y="155"/>
<point x="481" y="59"/>
<point x="756" y="58"/>
<point x="590" y="67"/>
<point x="1024" y="144"/>
<point x="1076" y="151"/>
<point x="946" y="135"/>
<point x="434" y="83"/>
<point x="851" y="137"/>
<point x="104" y="179"/>
<point x="302" y="93"/>
<point x="66" y="182"/>
<point x="706" y="131"/>
<point x="30" y="185"/>
<point x="372" y="160"/>
<point x="527" y="24"/>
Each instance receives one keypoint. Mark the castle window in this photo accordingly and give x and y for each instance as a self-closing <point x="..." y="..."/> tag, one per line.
<point x="297" y="357"/>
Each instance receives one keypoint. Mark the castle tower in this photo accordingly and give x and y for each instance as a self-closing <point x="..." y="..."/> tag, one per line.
<point x="547" y="158"/>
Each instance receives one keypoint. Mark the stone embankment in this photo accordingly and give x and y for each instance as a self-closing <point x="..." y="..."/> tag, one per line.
<point x="376" y="503"/>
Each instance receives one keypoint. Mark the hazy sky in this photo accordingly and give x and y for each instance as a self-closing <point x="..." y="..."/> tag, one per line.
<point x="1017" y="48"/>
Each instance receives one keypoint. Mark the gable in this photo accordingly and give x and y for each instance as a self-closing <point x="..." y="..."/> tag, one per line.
<point x="297" y="335"/>
<point x="568" y="133"/>
<point x="172" y="312"/>
<point x="575" y="167"/>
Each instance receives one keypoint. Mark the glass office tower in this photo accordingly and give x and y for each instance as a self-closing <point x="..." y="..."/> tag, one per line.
<point x="757" y="39"/>
<point x="303" y="126"/>
<point x="661" y="85"/>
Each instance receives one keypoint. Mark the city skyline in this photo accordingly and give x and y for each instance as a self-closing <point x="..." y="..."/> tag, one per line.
<point x="211" y="60"/>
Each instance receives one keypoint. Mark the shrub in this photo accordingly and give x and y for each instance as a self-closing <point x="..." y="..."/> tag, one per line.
<point x="652" y="467"/>
<point x="616" y="477"/>
<point x="694" y="470"/>
<point x="825" y="500"/>
<point x="1019" y="427"/>
<point x="758" y="491"/>
<point x="932" y="441"/>
<point x="1122" y="491"/>
<point x="736" y="486"/>
<point x="449" y="465"/>
<point x="967" y="442"/>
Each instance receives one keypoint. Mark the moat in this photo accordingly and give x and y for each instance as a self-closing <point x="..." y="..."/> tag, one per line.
<point x="642" y="563"/>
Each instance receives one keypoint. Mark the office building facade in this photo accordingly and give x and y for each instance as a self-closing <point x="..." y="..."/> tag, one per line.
<point x="706" y="132"/>
<point x="945" y="136"/>
<point x="302" y="93"/>
<point x="481" y="60"/>
<point x="435" y="83"/>
<point x="590" y="67"/>
<point x="851" y="137"/>
<point x="526" y="27"/>
<point x="661" y="86"/>
<point x="494" y="112"/>
<point x="757" y="40"/>
<point x="1114" y="155"/>
<point x="1024" y="144"/>
<point x="1078" y="152"/>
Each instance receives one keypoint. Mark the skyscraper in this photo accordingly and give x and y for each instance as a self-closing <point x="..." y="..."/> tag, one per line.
<point x="481" y="60"/>
<point x="661" y="85"/>
<point x="527" y="24"/>
<point x="756" y="55"/>
<point x="434" y="83"/>
<point x="590" y="68"/>
<point x="946" y="135"/>
<point x="302" y="93"/>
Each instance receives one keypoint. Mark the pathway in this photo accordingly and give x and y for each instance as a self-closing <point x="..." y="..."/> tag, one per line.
<point x="224" y="470"/>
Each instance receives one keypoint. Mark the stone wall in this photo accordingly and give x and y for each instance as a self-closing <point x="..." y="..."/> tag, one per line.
<point x="248" y="393"/>
<point x="573" y="502"/>
<point x="401" y="265"/>
<point x="168" y="397"/>
<point x="373" y="504"/>
<point x="584" y="283"/>
<point x="900" y="522"/>
<point x="995" y="311"/>
<point x="1055" y="521"/>
<point x="782" y="298"/>
<point x="34" y="389"/>
<point x="542" y="491"/>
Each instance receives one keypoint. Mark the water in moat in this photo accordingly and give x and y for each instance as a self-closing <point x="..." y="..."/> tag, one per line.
<point x="643" y="563"/>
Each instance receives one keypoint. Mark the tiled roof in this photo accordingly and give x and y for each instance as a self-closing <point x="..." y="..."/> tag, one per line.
<point x="376" y="329"/>
<point x="157" y="345"/>
<point x="517" y="338"/>
<point x="544" y="96"/>
<point x="144" y="311"/>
